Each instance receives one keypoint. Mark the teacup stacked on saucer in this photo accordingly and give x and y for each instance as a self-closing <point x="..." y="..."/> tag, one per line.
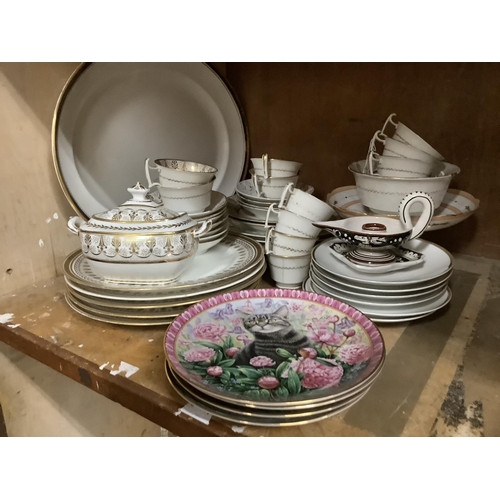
<point x="248" y="208"/>
<point x="186" y="186"/>
<point x="290" y="241"/>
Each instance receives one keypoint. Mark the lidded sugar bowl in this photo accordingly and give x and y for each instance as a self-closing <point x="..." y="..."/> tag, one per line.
<point x="140" y="230"/>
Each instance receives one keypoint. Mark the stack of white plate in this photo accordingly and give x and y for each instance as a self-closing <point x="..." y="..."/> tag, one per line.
<point x="217" y="212"/>
<point x="234" y="264"/>
<point x="248" y="211"/>
<point x="402" y="295"/>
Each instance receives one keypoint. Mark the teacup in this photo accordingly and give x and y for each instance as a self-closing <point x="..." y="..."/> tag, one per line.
<point x="289" y="272"/>
<point x="286" y="245"/>
<point x="406" y="135"/>
<point x="292" y="224"/>
<point x="188" y="199"/>
<point x="272" y="187"/>
<point x="180" y="173"/>
<point x="268" y="167"/>
<point x="395" y="166"/>
<point x="305" y="204"/>
<point x="392" y="147"/>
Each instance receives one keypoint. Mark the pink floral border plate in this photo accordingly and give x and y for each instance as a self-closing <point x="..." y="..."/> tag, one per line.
<point x="273" y="346"/>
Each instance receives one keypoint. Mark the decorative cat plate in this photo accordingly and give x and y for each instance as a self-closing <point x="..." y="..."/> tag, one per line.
<point x="404" y="258"/>
<point x="274" y="347"/>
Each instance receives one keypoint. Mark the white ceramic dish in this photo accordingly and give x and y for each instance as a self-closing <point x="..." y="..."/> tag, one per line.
<point x="233" y="257"/>
<point x="384" y="194"/>
<point x="285" y="245"/>
<point x="376" y="295"/>
<point x="218" y="203"/>
<point x="384" y="311"/>
<point x="111" y="116"/>
<point x="456" y="207"/>
<point x="380" y="301"/>
<point x="292" y="224"/>
<point x="304" y="204"/>
<point x="139" y="232"/>
<point x="356" y="287"/>
<point x="238" y="210"/>
<point x="289" y="272"/>
<point x="437" y="263"/>
<point x="271" y="187"/>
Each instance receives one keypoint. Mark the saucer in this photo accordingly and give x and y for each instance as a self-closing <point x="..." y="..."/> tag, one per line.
<point x="404" y="258"/>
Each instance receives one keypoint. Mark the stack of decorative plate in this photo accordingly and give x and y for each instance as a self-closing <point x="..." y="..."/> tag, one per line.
<point x="273" y="357"/>
<point x="233" y="264"/>
<point x="248" y="211"/>
<point x="417" y="289"/>
<point x="217" y="212"/>
<point x="456" y="207"/>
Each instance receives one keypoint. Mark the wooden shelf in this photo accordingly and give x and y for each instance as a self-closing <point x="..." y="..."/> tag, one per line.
<point x="52" y="333"/>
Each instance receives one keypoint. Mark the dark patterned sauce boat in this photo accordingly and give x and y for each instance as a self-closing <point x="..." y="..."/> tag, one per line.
<point x="373" y="239"/>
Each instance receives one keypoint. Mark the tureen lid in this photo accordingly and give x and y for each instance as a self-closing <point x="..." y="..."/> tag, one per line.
<point x="141" y="212"/>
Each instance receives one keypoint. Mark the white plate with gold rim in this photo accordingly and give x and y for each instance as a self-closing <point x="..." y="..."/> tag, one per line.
<point x="456" y="207"/>
<point x="111" y="116"/>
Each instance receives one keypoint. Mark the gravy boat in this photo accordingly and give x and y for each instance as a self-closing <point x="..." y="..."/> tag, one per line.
<point x="372" y="238"/>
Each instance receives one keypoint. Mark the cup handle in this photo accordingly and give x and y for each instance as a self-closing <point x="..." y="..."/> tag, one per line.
<point x="425" y="217"/>
<point x="255" y="183"/>
<point x="269" y="210"/>
<point x="265" y="159"/>
<point x="389" y="120"/>
<point x="147" y="166"/>
<point x="203" y="228"/>
<point x="269" y="241"/>
<point x="371" y="155"/>
<point x="74" y="224"/>
<point x="289" y="188"/>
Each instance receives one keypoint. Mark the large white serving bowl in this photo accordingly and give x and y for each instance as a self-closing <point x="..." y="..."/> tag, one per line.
<point x="383" y="194"/>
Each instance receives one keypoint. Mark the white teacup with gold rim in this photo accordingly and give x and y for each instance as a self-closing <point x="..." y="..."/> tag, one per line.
<point x="284" y="244"/>
<point x="272" y="187"/>
<point x="289" y="272"/>
<point x="305" y="204"/>
<point x="292" y="224"/>
<point x="180" y="173"/>
<point x="269" y="167"/>
<point x="186" y="199"/>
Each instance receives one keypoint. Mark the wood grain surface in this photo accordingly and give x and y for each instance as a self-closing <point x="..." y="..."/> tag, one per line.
<point x="324" y="115"/>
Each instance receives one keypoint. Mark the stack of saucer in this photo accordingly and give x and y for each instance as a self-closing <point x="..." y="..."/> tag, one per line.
<point x="416" y="290"/>
<point x="236" y="263"/>
<point x="235" y="368"/>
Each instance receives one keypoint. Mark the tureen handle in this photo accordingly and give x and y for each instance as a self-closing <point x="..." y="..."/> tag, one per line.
<point x="74" y="224"/>
<point x="425" y="217"/>
<point x="203" y="228"/>
<point x="147" y="166"/>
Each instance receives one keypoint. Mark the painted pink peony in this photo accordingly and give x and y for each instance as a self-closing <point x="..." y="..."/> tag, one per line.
<point x="308" y="352"/>
<point x="262" y="362"/>
<point x="198" y="354"/>
<point x="350" y="333"/>
<point x="232" y="352"/>
<point x="268" y="382"/>
<point x="317" y="375"/>
<point x="244" y="339"/>
<point x="215" y="371"/>
<point x="355" y="353"/>
<point x="324" y="336"/>
<point x="209" y="331"/>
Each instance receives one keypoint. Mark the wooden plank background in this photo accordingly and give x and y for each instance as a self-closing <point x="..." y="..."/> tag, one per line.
<point x="324" y="115"/>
